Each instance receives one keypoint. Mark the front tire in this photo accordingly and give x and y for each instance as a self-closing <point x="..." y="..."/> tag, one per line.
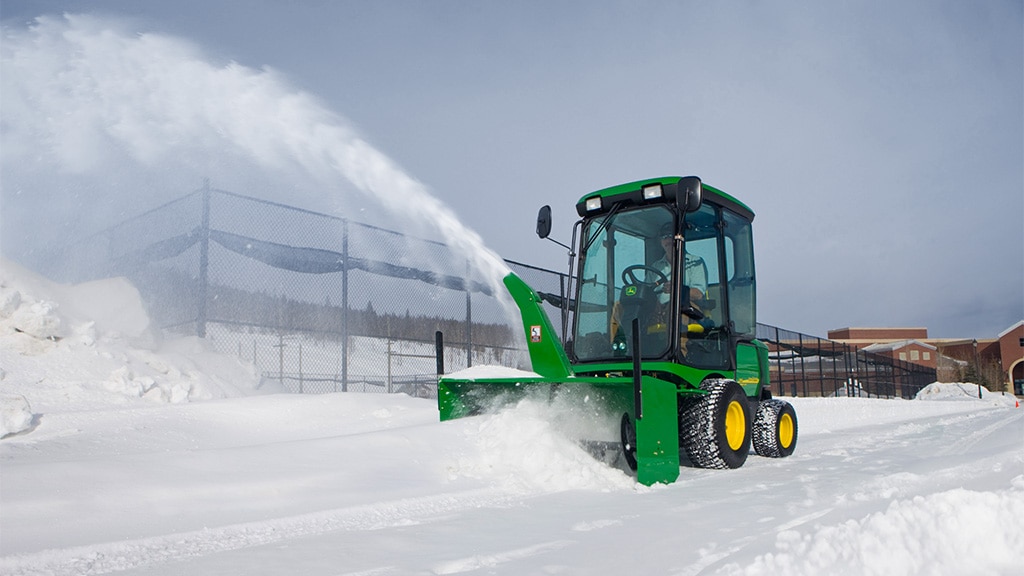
<point x="775" y="429"/>
<point x="628" y="436"/>
<point x="715" y="429"/>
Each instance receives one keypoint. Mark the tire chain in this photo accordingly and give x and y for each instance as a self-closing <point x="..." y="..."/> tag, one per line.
<point x="766" y="429"/>
<point x="697" y="426"/>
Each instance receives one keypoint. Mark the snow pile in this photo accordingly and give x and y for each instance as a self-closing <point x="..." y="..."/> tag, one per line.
<point x="944" y="391"/>
<point x="529" y="447"/>
<point x="91" y="345"/>
<point x="953" y="532"/>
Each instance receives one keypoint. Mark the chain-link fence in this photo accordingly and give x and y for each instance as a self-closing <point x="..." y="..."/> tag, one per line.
<point x="316" y="302"/>
<point x="323" y="304"/>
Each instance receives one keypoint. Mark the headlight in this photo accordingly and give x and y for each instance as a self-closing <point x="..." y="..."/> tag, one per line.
<point x="652" y="191"/>
<point x="593" y="204"/>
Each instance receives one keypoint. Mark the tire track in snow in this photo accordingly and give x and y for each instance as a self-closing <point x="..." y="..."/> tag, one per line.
<point x="919" y="433"/>
<point x="917" y="456"/>
<point x="110" y="557"/>
<point x="471" y="563"/>
<point x="974" y="437"/>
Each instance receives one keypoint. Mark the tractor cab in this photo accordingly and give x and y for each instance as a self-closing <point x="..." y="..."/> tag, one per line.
<point x="676" y="256"/>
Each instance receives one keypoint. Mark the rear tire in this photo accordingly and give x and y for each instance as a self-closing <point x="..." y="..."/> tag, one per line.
<point x="775" y="429"/>
<point x="715" y="429"/>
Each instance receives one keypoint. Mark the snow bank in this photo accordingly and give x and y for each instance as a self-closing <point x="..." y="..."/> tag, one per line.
<point x="65" y="348"/>
<point x="36" y="306"/>
<point x="945" y="391"/>
<point x="953" y="532"/>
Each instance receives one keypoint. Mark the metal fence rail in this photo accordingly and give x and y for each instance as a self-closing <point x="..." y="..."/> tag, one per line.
<point x="803" y="365"/>
<point x="320" y="303"/>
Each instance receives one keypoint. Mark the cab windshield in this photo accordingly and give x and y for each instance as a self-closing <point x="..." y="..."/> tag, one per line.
<point x="626" y="274"/>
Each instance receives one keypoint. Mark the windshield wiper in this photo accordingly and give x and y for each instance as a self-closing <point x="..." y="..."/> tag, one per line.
<point x="600" y="228"/>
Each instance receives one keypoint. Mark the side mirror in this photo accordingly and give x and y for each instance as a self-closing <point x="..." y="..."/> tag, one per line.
<point x="544" y="222"/>
<point x="689" y="194"/>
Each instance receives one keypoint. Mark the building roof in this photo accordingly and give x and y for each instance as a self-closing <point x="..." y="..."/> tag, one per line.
<point x="892" y="346"/>
<point x="1010" y="329"/>
<point x="950" y="342"/>
<point x="878" y="333"/>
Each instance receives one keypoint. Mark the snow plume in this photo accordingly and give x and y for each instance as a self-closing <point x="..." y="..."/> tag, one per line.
<point x="100" y="124"/>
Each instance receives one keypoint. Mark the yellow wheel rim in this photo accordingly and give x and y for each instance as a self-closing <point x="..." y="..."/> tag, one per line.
<point x="786" y="431"/>
<point x="735" y="425"/>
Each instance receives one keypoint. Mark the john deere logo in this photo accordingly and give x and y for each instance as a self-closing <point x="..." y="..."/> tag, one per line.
<point x="630" y="290"/>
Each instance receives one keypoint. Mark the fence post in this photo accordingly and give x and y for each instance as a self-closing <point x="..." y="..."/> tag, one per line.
<point x="835" y="365"/>
<point x="469" y="320"/>
<point x="872" y="369"/>
<point x="439" y="353"/>
<point x="803" y="367"/>
<point x="389" y="365"/>
<point x="344" y="306"/>
<point x="204" y="261"/>
<point x="868" y="385"/>
<point x="849" y="377"/>
<point x="821" y="365"/>
<point x="280" y="357"/>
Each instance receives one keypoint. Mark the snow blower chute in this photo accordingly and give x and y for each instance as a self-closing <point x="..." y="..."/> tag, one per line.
<point x="662" y="338"/>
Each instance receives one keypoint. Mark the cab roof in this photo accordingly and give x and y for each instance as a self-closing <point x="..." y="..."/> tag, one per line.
<point x="631" y="193"/>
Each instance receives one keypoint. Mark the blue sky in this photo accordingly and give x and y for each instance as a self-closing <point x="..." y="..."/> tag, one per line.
<point x="881" y="144"/>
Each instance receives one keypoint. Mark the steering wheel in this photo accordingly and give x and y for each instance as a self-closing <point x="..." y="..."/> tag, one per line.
<point x="629" y="277"/>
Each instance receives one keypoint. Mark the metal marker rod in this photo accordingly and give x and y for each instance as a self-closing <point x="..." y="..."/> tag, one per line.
<point x="439" y="352"/>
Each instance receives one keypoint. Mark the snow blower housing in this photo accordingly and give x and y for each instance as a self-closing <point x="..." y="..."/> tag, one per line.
<point x="662" y="338"/>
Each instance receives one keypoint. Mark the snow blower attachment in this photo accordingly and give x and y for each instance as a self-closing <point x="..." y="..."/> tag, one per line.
<point x="661" y="348"/>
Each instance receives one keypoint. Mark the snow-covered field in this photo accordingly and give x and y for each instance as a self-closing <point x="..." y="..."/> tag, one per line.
<point x="125" y="453"/>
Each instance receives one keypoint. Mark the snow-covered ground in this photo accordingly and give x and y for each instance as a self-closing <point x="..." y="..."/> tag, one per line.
<point x="124" y="453"/>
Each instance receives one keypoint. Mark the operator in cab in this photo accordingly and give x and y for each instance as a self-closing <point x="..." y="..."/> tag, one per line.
<point x="658" y="275"/>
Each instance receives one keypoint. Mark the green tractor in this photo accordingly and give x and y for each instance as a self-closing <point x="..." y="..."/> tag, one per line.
<point x="662" y="343"/>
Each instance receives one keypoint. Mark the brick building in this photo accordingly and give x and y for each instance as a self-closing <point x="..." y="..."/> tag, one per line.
<point x="947" y="355"/>
<point x="1011" y="351"/>
<point x="907" y="350"/>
